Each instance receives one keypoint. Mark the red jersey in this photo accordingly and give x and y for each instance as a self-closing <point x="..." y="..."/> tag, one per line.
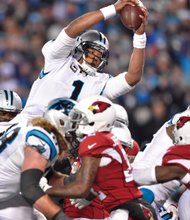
<point x="113" y="182"/>
<point x="178" y="155"/>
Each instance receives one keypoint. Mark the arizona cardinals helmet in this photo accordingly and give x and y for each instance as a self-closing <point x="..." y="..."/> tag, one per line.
<point x="176" y="117"/>
<point x="121" y="115"/>
<point x="95" y="40"/>
<point x="181" y="131"/>
<point x="134" y="150"/>
<point x="58" y="111"/>
<point x="92" y="114"/>
<point x="124" y="135"/>
<point x="10" y="101"/>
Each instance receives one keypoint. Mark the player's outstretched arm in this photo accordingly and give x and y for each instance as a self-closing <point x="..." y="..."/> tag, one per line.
<point x="137" y="59"/>
<point x="80" y="187"/>
<point x="161" y="174"/>
<point x="89" y="19"/>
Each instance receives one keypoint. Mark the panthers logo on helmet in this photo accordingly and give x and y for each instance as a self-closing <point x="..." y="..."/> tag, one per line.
<point x="181" y="122"/>
<point x="98" y="107"/>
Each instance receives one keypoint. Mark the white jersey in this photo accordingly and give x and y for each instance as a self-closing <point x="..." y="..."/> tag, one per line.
<point x="62" y="77"/>
<point x="154" y="151"/>
<point x="12" y="145"/>
<point x="153" y="155"/>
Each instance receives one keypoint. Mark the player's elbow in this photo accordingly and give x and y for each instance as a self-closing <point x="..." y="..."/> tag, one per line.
<point x="133" y="79"/>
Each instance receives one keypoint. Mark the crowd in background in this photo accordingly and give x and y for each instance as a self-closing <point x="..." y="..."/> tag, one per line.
<point x="25" y="25"/>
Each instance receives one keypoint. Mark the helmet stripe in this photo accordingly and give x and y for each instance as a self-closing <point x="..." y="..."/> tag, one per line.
<point x="100" y="37"/>
<point x="6" y="95"/>
<point x="11" y="97"/>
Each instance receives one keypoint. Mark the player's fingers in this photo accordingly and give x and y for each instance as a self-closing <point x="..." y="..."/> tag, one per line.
<point x="80" y="207"/>
<point x="145" y="12"/>
<point x="133" y="2"/>
<point x="130" y="3"/>
<point x="76" y="205"/>
<point x="72" y="201"/>
<point x="144" y="18"/>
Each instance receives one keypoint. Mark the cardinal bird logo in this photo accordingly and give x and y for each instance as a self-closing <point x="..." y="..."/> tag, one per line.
<point x="182" y="121"/>
<point x="98" y="107"/>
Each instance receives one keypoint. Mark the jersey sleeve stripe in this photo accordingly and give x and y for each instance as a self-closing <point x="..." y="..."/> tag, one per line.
<point x="45" y="138"/>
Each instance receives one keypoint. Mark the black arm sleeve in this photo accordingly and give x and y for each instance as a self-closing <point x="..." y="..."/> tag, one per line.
<point x="29" y="185"/>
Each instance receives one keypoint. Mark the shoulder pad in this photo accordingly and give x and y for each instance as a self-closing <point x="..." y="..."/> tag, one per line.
<point x="94" y="144"/>
<point x="43" y="141"/>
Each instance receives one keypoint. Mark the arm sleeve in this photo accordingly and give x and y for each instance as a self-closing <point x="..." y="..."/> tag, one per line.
<point x="60" y="48"/>
<point x="145" y="176"/>
<point x="116" y="86"/>
<point x="29" y="185"/>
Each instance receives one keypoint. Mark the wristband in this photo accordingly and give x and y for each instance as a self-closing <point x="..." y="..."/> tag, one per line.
<point x="108" y="11"/>
<point x="139" y="41"/>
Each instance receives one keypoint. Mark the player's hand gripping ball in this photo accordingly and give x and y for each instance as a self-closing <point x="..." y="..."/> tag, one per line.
<point x="129" y="16"/>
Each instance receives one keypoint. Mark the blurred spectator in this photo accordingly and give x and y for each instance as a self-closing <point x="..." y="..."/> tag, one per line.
<point x="25" y="25"/>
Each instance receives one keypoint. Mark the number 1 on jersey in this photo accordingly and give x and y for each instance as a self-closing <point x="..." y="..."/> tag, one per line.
<point x="78" y="86"/>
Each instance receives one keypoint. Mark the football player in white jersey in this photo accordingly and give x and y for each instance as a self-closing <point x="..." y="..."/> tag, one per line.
<point x="74" y="63"/>
<point x="25" y="152"/>
<point x="153" y="153"/>
<point x="10" y="106"/>
<point x="152" y="156"/>
<point x="175" y="164"/>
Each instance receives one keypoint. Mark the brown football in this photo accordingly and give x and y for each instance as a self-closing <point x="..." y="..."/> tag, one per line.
<point x="129" y="16"/>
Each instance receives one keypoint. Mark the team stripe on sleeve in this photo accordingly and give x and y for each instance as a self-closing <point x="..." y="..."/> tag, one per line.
<point x="46" y="139"/>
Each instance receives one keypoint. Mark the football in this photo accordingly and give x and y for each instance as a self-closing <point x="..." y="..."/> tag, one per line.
<point x="129" y="16"/>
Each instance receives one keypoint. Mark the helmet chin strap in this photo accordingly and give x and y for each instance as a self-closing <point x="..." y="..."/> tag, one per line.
<point x="87" y="68"/>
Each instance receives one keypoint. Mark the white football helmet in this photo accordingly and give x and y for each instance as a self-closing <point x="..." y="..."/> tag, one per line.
<point x="10" y="101"/>
<point x="92" y="114"/>
<point x="181" y="131"/>
<point x="58" y="111"/>
<point x="121" y="114"/>
<point x="124" y="135"/>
